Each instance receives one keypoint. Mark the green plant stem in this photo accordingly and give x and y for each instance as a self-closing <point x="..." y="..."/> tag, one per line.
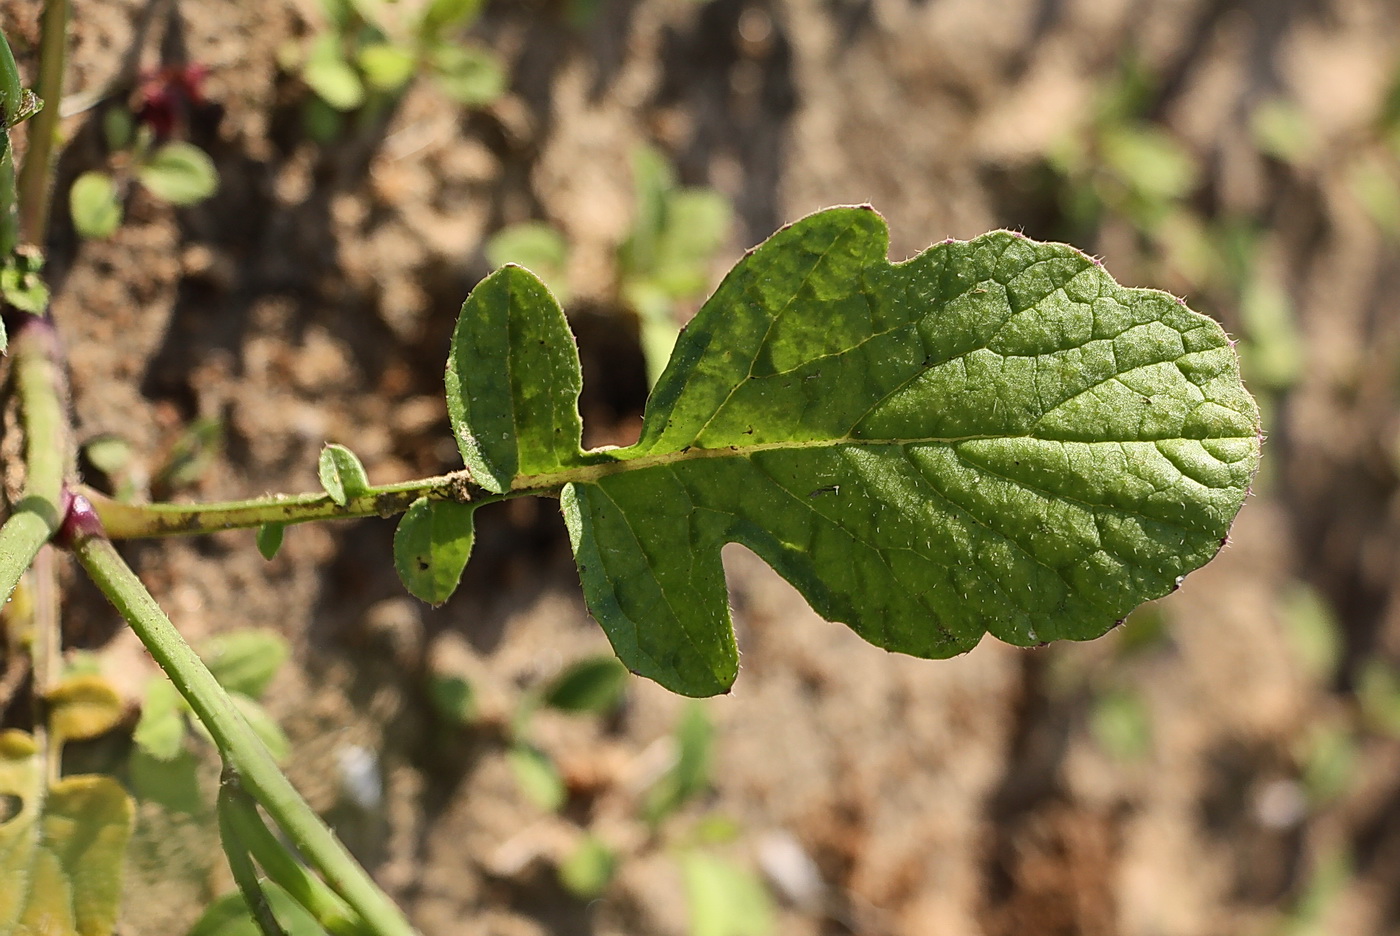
<point x="10" y="96"/>
<point x="235" y="739"/>
<point x="240" y="812"/>
<point x="40" y="384"/>
<point x="11" y="89"/>
<point x="34" y="175"/>
<point x="46" y="652"/>
<point x="136" y="521"/>
<point x="131" y="521"/>
<point x="9" y="199"/>
<point x="245" y="875"/>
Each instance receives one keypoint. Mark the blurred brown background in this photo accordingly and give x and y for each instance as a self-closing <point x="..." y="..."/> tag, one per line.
<point x="1228" y="762"/>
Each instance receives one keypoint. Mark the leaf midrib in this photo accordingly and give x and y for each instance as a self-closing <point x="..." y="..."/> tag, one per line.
<point x="605" y="462"/>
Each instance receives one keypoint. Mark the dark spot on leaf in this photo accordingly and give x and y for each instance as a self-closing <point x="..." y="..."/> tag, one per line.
<point x="422" y="565"/>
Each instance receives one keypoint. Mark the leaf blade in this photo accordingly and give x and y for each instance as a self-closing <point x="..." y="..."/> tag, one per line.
<point x="993" y="436"/>
<point x="341" y="474"/>
<point x="513" y="380"/>
<point x="180" y="173"/>
<point x="87" y="822"/>
<point x="95" y="204"/>
<point x="431" y="547"/>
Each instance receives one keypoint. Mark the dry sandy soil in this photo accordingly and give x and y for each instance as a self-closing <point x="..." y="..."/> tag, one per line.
<point x="311" y="300"/>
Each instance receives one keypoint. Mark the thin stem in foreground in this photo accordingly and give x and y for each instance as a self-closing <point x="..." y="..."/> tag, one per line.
<point x="238" y="743"/>
<point x="34" y="175"/>
<point x="245" y="875"/>
<point x="134" y="521"/>
<point x="39" y="381"/>
<point x="238" y="813"/>
<point x="10" y="97"/>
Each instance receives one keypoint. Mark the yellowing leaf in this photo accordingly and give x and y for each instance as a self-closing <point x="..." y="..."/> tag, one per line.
<point x="61" y="853"/>
<point x="75" y="888"/>
<point x="83" y="706"/>
<point x="21" y="799"/>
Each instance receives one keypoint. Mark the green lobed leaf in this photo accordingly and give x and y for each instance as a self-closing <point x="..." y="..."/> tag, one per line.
<point x="95" y="205"/>
<point x="341" y="474"/>
<point x="431" y="547"/>
<point x="991" y="437"/>
<point x="180" y="173"/>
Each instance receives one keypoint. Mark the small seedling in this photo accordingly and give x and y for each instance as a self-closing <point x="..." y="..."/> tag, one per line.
<point x="173" y="171"/>
<point x="371" y="50"/>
